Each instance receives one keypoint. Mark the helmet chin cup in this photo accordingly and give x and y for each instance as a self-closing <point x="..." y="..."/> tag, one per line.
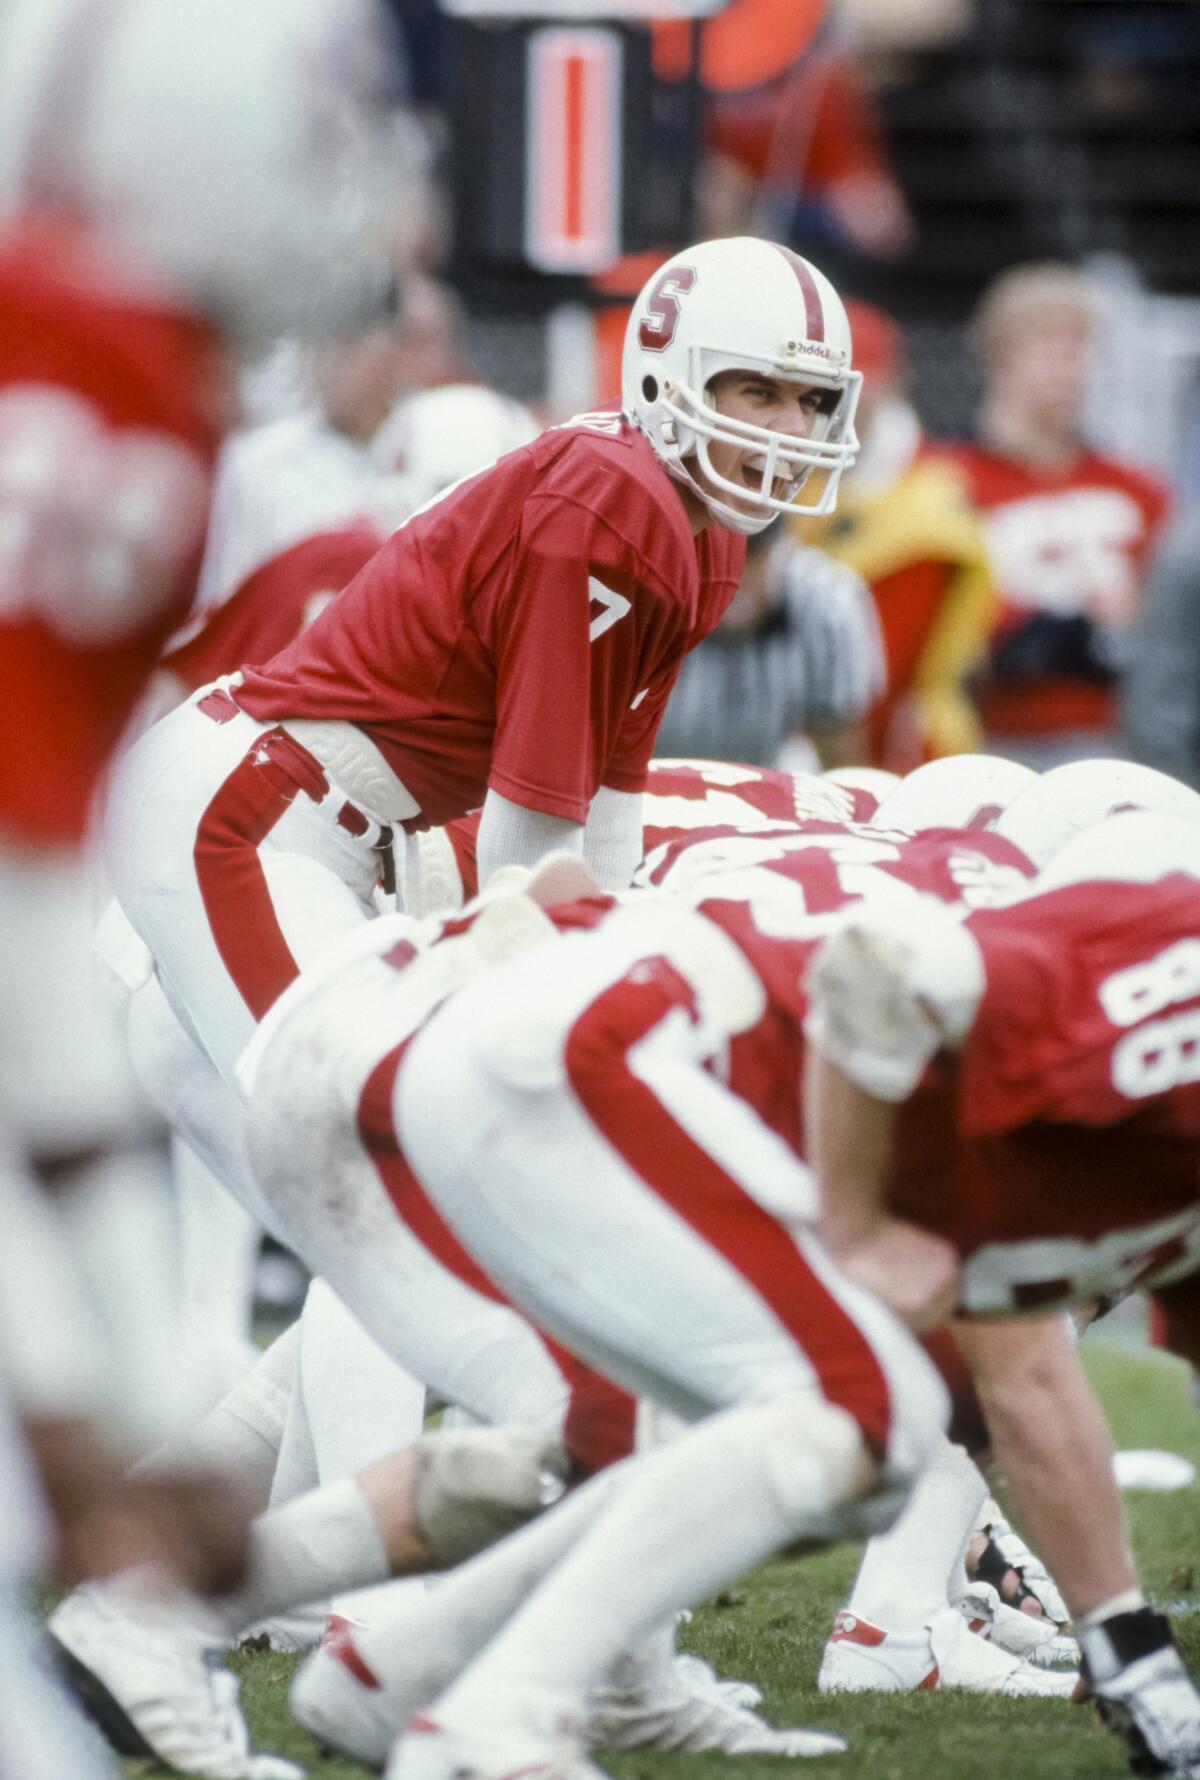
<point x="732" y="518"/>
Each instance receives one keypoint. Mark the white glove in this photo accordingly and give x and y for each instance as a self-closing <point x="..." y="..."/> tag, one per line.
<point x="1034" y="1577"/>
<point x="1143" y="1692"/>
<point x="475" y="1485"/>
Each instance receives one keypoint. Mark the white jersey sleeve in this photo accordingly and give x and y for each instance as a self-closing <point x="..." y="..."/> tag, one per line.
<point x="888" y="989"/>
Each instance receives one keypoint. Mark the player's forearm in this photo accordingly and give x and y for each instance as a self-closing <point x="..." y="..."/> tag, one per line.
<point x="612" y="837"/>
<point x="510" y="834"/>
<point x="1053" y="1446"/>
<point x="849" y="1146"/>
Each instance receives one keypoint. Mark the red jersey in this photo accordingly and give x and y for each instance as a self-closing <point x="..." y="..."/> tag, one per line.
<point x="111" y="407"/>
<point x="522" y="632"/>
<point x="683" y="796"/>
<point x="1067" y="549"/>
<point x="1061" y="1151"/>
<point x="776" y="894"/>
<point x="273" y="604"/>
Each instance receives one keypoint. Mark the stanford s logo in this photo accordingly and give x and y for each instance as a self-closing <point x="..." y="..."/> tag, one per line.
<point x="658" y="326"/>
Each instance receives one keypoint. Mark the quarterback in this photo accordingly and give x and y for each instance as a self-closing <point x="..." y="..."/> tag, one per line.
<point x="512" y="646"/>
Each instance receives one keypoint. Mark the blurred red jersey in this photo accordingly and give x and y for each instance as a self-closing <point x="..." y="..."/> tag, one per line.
<point x="685" y="795"/>
<point x="274" y="604"/>
<point x="522" y="632"/>
<point x="111" y="410"/>
<point x="1067" y="549"/>
<point x="1061" y="1151"/>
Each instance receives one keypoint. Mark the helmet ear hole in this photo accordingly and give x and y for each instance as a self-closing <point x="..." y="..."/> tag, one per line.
<point x="650" y="388"/>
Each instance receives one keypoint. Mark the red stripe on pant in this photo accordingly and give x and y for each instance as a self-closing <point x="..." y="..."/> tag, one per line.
<point x="599" y="1425"/>
<point x="233" y="886"/>
<point x="627" y="1113"/>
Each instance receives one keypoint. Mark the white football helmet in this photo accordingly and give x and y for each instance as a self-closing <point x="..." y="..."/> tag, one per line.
<point x="957" y="791"/>
<point x="733" y="305"/>
<point x="234" y="150"/>
<point x="873" y="781"/>
<point x="1136" y="847"/>
<point x="1070" y="798"/>
<point x="434" y="438"/>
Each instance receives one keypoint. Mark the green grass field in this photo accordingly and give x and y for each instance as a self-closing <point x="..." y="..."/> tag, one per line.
<point x="772" y="1625"/>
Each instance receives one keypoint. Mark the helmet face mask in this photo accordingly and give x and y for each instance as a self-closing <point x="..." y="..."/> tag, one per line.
<point x="741" y="305"/>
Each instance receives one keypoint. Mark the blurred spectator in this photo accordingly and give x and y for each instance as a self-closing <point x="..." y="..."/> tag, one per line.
<point x="441" y="434"/>
<point x="432" y="325"/>
<point x="302" y="504"/>
<point x="1162" y="683"/>
<point x="904" y="524"/>
<point x="277" y="482"/>
<point x="1068" y="529"/>
<point x="306" y="473"/>
<point x="790" y="672"/>
<point x="794" y="143"/>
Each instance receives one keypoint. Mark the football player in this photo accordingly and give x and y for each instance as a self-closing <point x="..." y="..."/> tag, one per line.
<point x="440" y="1311"/>
<point x="301" y="504"/>
<point x="511" y="646"/>
<point x="1018" y="1096"/>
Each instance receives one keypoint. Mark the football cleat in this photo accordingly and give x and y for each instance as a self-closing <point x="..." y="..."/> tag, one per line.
<point x="340" y="1700"/>
<point x="943" y="1652"/>
<point x="429" y="1748"/>
<point x="157" y="1690"/>
<point x="691" y="1710"/>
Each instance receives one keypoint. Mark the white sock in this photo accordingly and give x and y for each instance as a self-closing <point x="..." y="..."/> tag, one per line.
<point x="686" y="1520"/>
<point x="359" y="1403"/>
<point x="241" y="1437"/>
<point x="116" y="1217"/>
<point x="301" y="1553"/>
<point x="218" y="1250"/>
<point x="417" y="1647"/>
<point x="296" y="1465"/>
<point x="909" y="1572"/>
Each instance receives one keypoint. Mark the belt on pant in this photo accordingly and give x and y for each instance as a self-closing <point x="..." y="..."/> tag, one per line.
<point x="219" y="707"/>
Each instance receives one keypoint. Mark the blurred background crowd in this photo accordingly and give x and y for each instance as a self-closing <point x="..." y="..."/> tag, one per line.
<point x="1007" y="191"/>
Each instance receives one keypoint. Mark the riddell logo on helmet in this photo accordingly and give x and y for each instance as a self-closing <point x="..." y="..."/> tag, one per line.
<point x="809" y="349"/>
